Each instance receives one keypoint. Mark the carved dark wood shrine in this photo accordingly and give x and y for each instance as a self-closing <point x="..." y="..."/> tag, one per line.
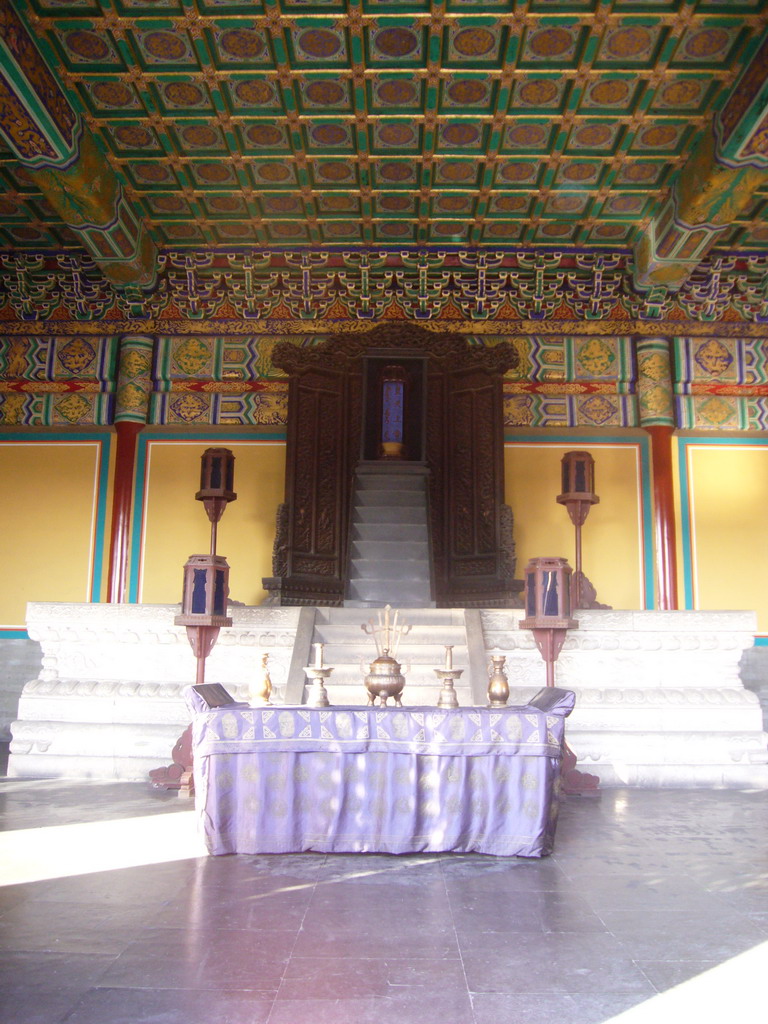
<point x="452" y="425"/>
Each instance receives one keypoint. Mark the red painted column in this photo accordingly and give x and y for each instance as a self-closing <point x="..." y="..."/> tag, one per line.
<point x="134" y="387"/>
<point x="665" y="531"/>
<point x="122" y="503"/>
<point x="657" y="416"/>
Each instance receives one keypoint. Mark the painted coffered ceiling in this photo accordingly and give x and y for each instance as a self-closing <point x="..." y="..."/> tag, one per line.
<point x="488" y="125"/>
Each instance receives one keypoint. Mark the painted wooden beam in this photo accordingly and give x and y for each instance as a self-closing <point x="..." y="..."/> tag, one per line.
<point x="48" y="136"/>
<point x="727" y="165"/>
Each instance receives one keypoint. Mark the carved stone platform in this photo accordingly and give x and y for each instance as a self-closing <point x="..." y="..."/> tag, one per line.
<point x="659" y="701"/>
<point x="108" y="703"/>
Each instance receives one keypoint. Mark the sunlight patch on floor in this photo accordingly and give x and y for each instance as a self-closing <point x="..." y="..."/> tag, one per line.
<point x="734" y="990"/>
<point x="59" y="851"/>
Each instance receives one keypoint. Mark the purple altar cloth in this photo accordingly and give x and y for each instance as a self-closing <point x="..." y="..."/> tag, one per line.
<point x="384" y="780"/>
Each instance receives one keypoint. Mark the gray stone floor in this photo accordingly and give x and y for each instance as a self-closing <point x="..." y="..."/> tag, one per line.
<point x="645" y="890"/>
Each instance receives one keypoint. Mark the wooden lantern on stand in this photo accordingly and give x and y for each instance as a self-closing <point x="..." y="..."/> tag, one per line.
<point x="578" y="496"/>
<point x="206" y="577"/>
<point x="217" y="474"/>
<point x="203" y="603"/>
<point x="548" y="607"/>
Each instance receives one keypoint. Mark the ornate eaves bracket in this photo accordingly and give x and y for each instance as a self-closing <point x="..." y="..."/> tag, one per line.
<point x="715" y="184"/>
<point x="47" y="134"/>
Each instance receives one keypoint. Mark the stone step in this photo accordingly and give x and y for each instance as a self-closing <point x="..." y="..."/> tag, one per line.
<point x="392" y="592"/>
<point x="419" y="635"/>
<point x="421" y="619"/>
<point x="393" y="532"/>
<point x="423" y="658"/>
<point x="389" y="557"/>
<point x="399" y="549"/>
<point x="366" y="605"/>
<point x="388" y="496"/>
<point x="389" y="569"/>
<point x="390" y="514"/>
<point x="389" y="481"/>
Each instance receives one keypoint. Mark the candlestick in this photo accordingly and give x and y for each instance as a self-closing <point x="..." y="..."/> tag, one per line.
<point x="317" y="696"/>
<point x="318" y="655"/>
<point x="448" y="677"/>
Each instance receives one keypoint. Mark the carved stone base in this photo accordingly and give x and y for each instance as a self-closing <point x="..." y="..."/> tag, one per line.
<point x="109" y="700"/>
<point x="177" y="775"/>
<point x="659" y="700"/>
<point x="587" y="593"/>
<point x="291" y="591"/>
<point x="273" y="586"/>
<point x="574" y="782"/>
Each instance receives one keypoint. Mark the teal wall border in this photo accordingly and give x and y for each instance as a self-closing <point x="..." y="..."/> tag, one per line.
<point x="214" y="438"/>
<point x="643" y="444"/>
<point x="104" y="439"/>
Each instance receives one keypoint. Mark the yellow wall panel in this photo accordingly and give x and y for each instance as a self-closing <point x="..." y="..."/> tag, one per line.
<point x="48" y="536"/>
<point x="728" y="501"/>
<point x="612" y="537"/>
<point x="176" y="526"/>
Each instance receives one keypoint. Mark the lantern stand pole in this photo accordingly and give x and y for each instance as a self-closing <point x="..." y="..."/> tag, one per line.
<point x="214" y="509"/>
<point x="548" y="594"/>
<point x="550" y="642"/>
<point x="204" y="598"/>
<point x="578" y="512"/>
<point x="576" y="602"/>
<point x="578" y="483"/>
<point x="202" y="640"/>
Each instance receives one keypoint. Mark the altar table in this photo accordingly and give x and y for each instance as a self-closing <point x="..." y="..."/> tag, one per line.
<point x="385" y="780"/>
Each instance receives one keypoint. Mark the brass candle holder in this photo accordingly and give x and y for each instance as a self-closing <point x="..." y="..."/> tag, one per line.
<point x="498" y="684"/>
<point x="261" y="690"/>
<point x="385" y="677"/>
<point x="448" y="675"/>
<point x="316" y="674"/>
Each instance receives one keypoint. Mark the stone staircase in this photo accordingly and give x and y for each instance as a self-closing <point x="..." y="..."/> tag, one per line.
<point x="389" y="557"/>
<point x="421" y="651"/>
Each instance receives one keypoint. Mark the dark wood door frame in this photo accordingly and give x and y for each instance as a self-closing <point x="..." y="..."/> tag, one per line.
<point x="473" y="551"/>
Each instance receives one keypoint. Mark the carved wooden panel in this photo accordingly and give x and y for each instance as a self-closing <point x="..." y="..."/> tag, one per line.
<point x="474" y="486"/>
<point x="435" y="444"/>
<point x="317" y="470"/>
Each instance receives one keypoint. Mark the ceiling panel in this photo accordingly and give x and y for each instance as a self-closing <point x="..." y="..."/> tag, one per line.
<point x="292" y="122"/>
